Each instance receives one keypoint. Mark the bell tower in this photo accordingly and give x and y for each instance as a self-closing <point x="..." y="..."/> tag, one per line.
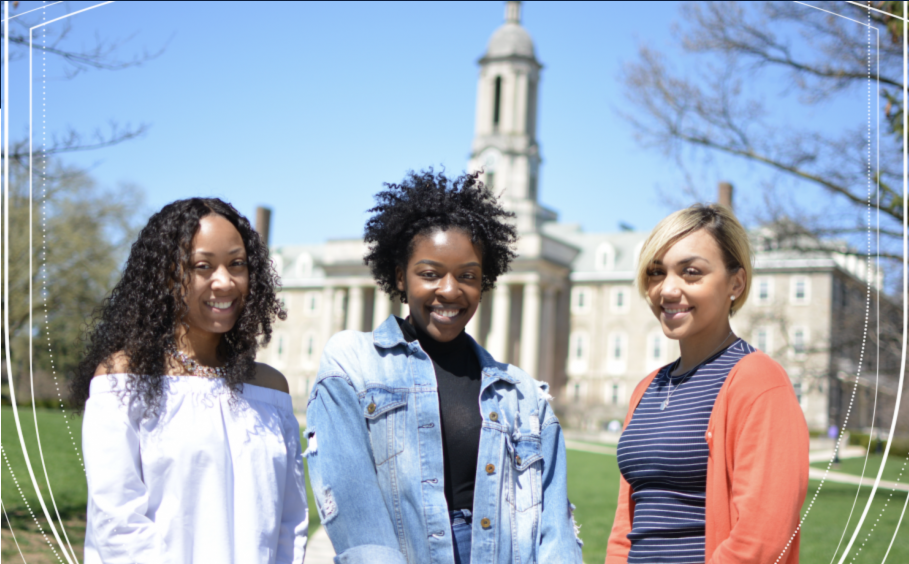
<point x="505" y="144"/>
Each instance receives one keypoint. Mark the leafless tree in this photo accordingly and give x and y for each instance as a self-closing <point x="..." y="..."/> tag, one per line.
<point x="101" y="54"/>
<point x="720" y="101"/>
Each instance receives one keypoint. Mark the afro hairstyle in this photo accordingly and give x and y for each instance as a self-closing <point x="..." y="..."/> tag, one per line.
<point x="426" y="202"/>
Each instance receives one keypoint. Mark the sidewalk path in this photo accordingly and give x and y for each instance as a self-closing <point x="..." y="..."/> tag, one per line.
<point x="585" y="447"/>
<point x="319" y="549"/>
<point x="843" y="478"/>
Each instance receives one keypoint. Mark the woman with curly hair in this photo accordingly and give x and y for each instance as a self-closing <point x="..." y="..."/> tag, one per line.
<point x="192" y="451"/>
<point x="422" y="448"/>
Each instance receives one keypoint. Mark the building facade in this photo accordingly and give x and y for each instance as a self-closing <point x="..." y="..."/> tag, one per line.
<point x="568" y="312"/>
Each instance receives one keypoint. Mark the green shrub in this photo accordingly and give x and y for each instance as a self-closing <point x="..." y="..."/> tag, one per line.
<point x="899" y="447"/>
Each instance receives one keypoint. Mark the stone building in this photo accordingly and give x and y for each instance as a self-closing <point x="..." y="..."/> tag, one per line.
<point x="568" y="312"/>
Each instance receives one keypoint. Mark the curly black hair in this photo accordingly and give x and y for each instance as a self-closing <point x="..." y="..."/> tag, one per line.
<point x="142" y="312"/>
<point x="425" y="202"/>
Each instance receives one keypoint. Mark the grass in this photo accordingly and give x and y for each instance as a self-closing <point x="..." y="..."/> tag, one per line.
<point x="896" y="468"/>
<point x="64" y="472"/>
<point x="593" y="481"/>
<point x="593" y="486"/>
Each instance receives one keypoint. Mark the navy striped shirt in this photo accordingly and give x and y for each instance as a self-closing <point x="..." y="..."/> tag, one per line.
<point x="663" y="456"/>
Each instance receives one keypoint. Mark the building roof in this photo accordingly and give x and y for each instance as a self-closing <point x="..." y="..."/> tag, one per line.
<point x="603" y="256"/>
<point x="510" y="39"/>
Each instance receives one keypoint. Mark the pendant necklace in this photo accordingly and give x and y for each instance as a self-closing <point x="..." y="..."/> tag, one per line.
<point x="665" y="403"/>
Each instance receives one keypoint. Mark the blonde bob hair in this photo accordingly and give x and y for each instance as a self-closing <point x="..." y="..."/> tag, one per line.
<point x="717" y="220"/>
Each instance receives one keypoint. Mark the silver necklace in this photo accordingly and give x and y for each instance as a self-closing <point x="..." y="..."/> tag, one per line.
<point x="193" y="367"/>
<point x="665" y="403"/>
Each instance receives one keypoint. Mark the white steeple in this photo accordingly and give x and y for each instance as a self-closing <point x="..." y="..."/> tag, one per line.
<point x="504" y="143"/>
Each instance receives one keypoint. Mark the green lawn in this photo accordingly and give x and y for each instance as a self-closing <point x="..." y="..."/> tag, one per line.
<point x="592" y="486"/>
<point x="593" y="481"/>
<point x="896" y="468"/>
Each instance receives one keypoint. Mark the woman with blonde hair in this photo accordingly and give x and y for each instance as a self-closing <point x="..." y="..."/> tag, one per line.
<point x="714" y="452"/>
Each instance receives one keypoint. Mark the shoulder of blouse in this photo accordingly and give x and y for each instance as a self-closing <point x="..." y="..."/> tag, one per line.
<point x="114" y="385"/>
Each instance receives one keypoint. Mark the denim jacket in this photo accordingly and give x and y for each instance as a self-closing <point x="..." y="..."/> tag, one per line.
<point x="375" y="459"/>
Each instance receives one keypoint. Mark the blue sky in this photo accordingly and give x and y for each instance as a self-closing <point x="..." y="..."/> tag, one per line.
<point x="308" y="108"/>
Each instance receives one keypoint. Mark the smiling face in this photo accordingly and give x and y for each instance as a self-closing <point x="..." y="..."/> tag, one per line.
<point x="443" y="281"/>
<point x="689" y="288"/>
<point x="220" y="277"/>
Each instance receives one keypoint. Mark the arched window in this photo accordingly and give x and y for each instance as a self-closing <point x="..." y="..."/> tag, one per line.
<point x="605" y="257"/>
<point x="617" y="353"/>
<point x="578" y="352"/>
<point x="303" y="266"/>
<point x="309" y="351"/>
<point x="496" y="102"/>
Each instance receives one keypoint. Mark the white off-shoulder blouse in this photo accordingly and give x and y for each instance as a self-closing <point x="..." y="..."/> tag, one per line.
<point x="204" y="479"/>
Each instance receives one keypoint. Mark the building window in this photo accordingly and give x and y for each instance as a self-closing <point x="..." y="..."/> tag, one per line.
<point x="800" y="290"/>
<point x="798" y="341"/>
<point x="604" y="258"/>
<point x="762" y="339"/>
<point x="615" y="394"/>
<point x="580" y="299"/>
<point x="764" y="287"/>
<point x="578" y="353"/>
<point x="656" y="350"/>
<point x="496" y="102"/>
<point x="280" y="350"/>
<point x="312" y="302"/>
<point x="617" y="353"/>
<point x="577" y="392"/>
<point x="797" y="386"/>
<point x="303" y="266"/>
<point x="309" y="350"/>
<point x="619" y="301"/>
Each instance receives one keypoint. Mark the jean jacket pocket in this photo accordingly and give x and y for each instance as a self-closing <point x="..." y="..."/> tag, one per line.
<point x="525" y="488"/>
<point x="385" y="417"/>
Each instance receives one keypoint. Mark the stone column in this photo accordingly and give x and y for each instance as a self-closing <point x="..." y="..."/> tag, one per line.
<point x="530" y="330"/>
<point x="548" y="335"/>
<point x="355" y="308"/>
<point x="328" y="309"/>
<point x="497" y="340"/>
<point x="473" y="326"/>
<point x="381" y="308"/>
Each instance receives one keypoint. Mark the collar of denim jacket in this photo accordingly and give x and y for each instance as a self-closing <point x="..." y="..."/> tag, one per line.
<point x="388" y="335"/>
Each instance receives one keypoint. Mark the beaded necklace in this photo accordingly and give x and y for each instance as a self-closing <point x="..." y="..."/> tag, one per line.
<point x="194" y="367"/>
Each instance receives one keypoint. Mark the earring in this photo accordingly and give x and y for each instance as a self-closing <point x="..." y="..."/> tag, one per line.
<point x="732" y="298"/>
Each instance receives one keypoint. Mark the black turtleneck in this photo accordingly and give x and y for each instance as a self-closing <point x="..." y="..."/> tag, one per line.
<point x="458" y="376"/>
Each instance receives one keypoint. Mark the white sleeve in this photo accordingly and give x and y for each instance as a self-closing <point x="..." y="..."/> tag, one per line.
<point x="294" y="527"/>
<point x="118" y="529"/>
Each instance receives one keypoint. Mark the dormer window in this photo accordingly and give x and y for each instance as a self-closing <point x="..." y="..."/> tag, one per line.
<point x="605" y="257"/>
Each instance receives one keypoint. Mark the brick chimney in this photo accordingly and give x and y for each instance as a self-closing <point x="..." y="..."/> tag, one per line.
<point x="724" y="195"/>
<point x="263" y="223"/>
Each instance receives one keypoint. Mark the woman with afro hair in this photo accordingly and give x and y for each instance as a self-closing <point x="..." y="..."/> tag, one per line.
<point x="192" y="451"/>
<point x="422" y="448"/>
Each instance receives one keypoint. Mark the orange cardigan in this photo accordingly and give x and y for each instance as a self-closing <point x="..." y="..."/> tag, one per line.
<point x="757" y="469"/>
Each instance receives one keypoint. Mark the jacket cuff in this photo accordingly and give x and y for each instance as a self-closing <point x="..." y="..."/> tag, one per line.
<point x="370" y="553"/>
